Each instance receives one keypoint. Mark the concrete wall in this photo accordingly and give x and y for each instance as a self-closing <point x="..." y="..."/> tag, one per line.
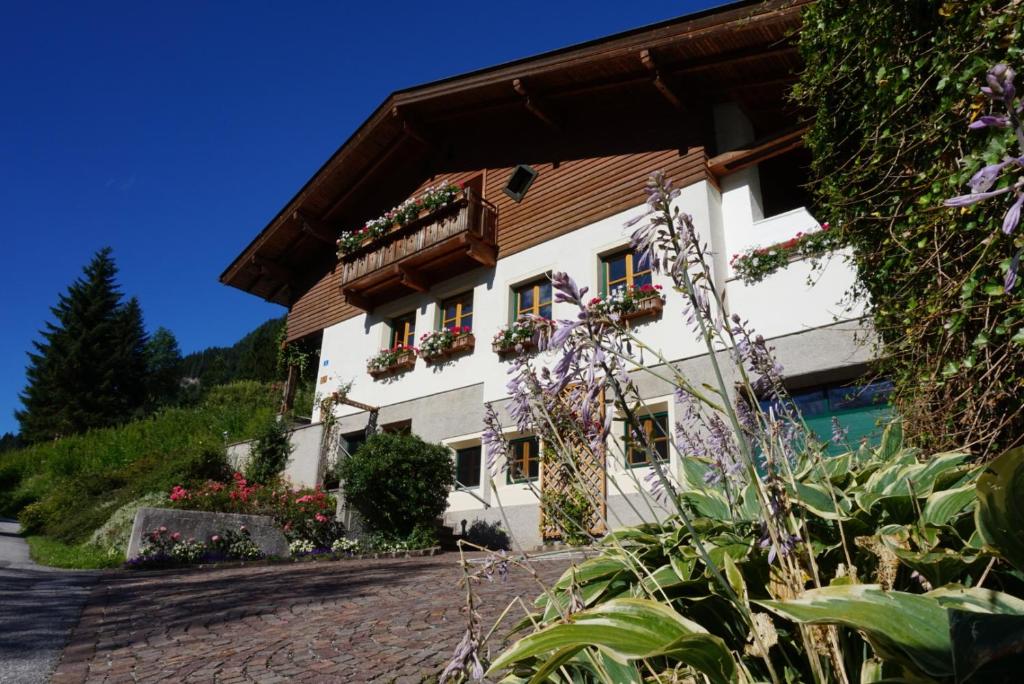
<point x="303" y="464"/>
<point x="201" y="525"/>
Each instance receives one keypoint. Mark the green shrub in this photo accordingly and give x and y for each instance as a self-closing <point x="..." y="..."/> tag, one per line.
<point x="489" y="535"/>
<point x="113" y="535"/>
<point x="270" y="453"/>
<point x="32" y="518"/>
<point x="398" y="482"/>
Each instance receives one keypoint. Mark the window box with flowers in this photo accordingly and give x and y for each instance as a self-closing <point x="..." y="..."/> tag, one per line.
<point x="629" y="303"/>
<point x="431" y="202"/>
<point x="397" y="359"/>
<point x="517" y="336"/>
<point x="438" y="345"/>
<point x="755" y="264"/>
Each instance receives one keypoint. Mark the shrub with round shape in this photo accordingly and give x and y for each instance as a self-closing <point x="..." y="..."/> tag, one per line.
<point x="398" y="482"/>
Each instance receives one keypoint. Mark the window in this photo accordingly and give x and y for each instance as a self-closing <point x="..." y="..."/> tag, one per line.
<point x="622" y="270"/>
<point x="467" y="467"/>
<point x="403" y="330"/>
<point x="400" y="427"/>
<point x="533" y="298"/>
<point x="655" y="427"/>
<point x="457" y="312"/>
<point x="524" y="459"/>
<point x="354" y="440"/>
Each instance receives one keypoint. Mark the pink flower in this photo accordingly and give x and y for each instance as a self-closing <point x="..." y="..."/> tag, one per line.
<point x="161" y="529"/>
<point x="320" y="518"/>
<point x="176" y="536"/>
<point x="215" y="538"/>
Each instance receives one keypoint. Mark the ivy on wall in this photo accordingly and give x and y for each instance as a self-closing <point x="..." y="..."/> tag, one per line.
<point x="892" y="87"/>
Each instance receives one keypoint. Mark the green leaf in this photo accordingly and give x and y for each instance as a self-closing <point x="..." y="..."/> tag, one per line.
<point x="942" y="507"/>
<point x="1000" y="509"/>
<point x="626" y="630"/>
<point x="986" y="647"/>
<point x="592" y="569"/>
<point x="816" y="499"/>
<point x="708" y="504"/>
<point x="977" y="600"/>
<point x="892" y="440"/>
<point x="908" y="628"/>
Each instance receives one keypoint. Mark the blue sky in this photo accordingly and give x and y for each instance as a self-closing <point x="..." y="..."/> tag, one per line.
<point x="173" y="132"/>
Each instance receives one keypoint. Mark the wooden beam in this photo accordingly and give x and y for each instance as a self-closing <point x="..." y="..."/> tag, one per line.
<point x="357" y="404"/>
<point x="365" y="175"/>
<point x="773" y="146"/>
<point x="481" y="252"/>
<point x="282" y="288"/>
<point x="647" y="59"/>
<point x="411" y="127"/>
<point x="537" y="106"/>
<point x="314" y="228"/>
<point x="413" y="278"/>
<point x="357" y="300"/>
<point x="271" y="268"/>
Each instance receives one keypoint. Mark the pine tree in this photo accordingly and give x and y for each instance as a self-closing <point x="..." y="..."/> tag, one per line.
<point x="88" y="370"/>
<point x="163" y="359"/>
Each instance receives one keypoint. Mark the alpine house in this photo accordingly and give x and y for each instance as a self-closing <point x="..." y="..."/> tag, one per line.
<point x="449" y="208"/>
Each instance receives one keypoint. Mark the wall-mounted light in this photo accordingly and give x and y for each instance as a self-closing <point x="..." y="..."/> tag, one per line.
<point x="519" y="182"/>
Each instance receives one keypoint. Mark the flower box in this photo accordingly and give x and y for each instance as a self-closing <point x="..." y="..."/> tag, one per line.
<point x="390" y="362"/>
<point x="518" y="335"/>
<point x="648" y="306"/>
<point x="502" y="348"/>
<point x="461" y="343"/>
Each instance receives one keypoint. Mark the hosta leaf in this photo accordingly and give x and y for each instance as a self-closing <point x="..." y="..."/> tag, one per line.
<point x="908" y="628"/>
<point x="938" y="567"/>
<point x="937" y="465"/>
<point x="978" y="600"/>
<point x="892" y="440"/>
<point x="629" y="629"/>
<point x="942" y="507"/>
<point x="816" y="499"/>
<point x="709" y="504"/>
<point x="1000" y="509"/>
<point x="592" y="569"/>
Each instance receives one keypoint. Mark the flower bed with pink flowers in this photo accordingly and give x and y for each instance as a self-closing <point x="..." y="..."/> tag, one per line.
<point x="303" y="514"/>
<point x="629" y="303"/>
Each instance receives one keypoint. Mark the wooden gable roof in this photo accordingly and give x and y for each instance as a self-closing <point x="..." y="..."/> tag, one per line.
<point x="644" y="90"/>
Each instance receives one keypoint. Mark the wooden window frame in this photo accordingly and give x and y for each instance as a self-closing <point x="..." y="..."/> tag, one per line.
<point x="458" y="459"/>
<point x="407" y="332"/>
<point x="459" y="300"/>
<point x="631" y="273"/>
<point x="627" y="440"/>
<point x="529" y="458"/>
<point x="518" y="312"/>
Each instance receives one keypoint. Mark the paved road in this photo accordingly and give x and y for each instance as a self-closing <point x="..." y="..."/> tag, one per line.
<point x="346" y="621"/>
<point x="38" y="608"/>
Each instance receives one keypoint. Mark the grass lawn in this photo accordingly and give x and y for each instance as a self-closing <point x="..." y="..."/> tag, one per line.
<point x="57" y="554"/>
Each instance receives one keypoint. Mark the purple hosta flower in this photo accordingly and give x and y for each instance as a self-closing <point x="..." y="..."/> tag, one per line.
<point x="984" y="179"/>
<point x="925" y="584"/>
<point x="990" y="121"/>
<point x="657" y="487"/>
<point x="785" y="546"/>
<point x="745" y="416"/>
<point x="494" y="440"/>
<point x="654" y="223"/>
<point x="758" y="357"/>
<point x="495" y="563"/>
<point x="721" y="448"/>
<point x="1011" y="273"/>
<point x="1012" y="217"/>
<point x="566" y="289"/>
<point x="838" y="431"/>
<point x="974" y="197"/>
<point x="1000" y="83"/>
<point x="465" y="660"/>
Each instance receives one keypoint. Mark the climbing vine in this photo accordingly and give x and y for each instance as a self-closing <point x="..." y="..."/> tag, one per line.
<point x="891" y="88"/>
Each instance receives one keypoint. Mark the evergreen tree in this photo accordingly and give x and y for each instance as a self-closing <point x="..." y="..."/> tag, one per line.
<point x="88" y="370"/>
<point x="163" y="358"/>
<point x="9" y="442"/>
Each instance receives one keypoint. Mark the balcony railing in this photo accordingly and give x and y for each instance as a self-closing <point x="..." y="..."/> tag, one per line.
<point x="451" y="240"/>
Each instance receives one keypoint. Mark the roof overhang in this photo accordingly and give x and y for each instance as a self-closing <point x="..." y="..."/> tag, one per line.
<point x="646" y="89"/>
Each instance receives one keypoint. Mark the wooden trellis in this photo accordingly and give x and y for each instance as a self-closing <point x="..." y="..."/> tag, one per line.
<point x="589" y="478"/>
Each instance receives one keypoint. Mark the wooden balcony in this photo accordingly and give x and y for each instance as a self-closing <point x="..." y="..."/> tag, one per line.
<point x="454" y="239"/>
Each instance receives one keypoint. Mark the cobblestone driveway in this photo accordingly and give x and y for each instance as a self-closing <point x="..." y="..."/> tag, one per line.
<point x="346" y="621"/>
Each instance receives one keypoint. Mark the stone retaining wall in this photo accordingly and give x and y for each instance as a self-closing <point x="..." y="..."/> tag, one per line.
<point x="201" y="525"/>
